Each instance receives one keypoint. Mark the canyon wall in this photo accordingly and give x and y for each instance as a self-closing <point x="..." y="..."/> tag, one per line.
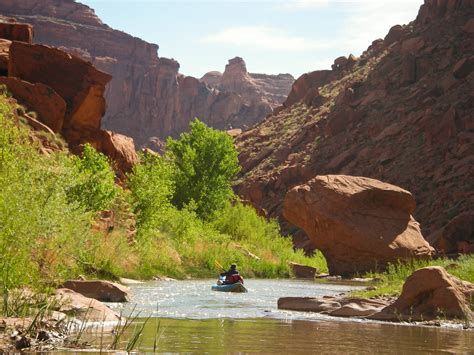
<point x="401" y="113"/>
<point x="147" y="96"/>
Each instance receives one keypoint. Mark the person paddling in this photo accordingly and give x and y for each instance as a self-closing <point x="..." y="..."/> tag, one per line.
<point x="231" y="276"/>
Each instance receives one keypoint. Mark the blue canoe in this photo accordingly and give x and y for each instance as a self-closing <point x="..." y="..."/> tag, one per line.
<point x="237" y="287"/>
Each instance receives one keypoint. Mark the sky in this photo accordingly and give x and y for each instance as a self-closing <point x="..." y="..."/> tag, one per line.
<point x="273" y="36"/>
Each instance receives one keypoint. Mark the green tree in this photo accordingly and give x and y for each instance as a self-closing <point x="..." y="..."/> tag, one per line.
<point x="96" y="188"/>
<point x="205" y="162"/>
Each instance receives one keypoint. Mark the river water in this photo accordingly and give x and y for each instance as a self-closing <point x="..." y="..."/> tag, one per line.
<point x="188" y="317"/>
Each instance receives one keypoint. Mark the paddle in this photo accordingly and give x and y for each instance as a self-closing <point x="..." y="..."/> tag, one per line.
<point x="219" y="265"/>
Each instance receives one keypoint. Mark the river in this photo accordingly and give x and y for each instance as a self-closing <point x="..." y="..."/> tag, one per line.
<point x="192" y="318"/>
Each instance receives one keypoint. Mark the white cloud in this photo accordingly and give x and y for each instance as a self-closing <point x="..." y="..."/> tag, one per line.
<point x="302" y="4"/>
<point x="264" y="37"/>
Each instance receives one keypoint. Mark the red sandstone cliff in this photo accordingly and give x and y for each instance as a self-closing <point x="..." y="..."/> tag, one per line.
<point x="147" y="96"/>
<point x="402" y="113"/>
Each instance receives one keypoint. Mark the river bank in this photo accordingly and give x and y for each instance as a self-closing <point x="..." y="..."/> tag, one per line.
<point x="187" y="316"/>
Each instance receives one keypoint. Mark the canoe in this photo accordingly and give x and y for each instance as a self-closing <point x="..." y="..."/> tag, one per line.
<point x="237" y="287"/>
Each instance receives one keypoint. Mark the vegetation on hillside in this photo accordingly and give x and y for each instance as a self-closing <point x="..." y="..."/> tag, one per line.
<point x="176" y="217"/>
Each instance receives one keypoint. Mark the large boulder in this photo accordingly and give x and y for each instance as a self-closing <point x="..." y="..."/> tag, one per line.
<point x="118" y="147"/>
<point x="84" y="308"/>
<point x="431" y="293"/>
<point x="14" y="31"/>
<point x="359" y="224"/>
<point x="78" y="82"/>
<point x="40" y="98"/>
<point x="104" y="291"/>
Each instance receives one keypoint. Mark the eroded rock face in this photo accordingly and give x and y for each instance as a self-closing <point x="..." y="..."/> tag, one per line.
<point x="403" y="113"/>
<point x="80" y="84"/>
<point x="105" y="291"/>
<point x="359" y="224"/>
<point x="16" y="32"/>
<point x="261" y="90"/>
<point x="147" y="96"/>
<point x="431" y="293"/>
<point x="41" y="98"/>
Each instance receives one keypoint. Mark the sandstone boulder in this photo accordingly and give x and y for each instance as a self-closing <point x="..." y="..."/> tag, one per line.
<point x="105" y="291"/>
<point x="84" y="308"/>
<point x="431" y="293"/>
<point x="303" y="271"/>
<point x="118" y="147"/>
<point x="78" y="82"/>
<point x="40" y="98"/>
<point x="22" y="32"/>
<point x="359" y="224"/>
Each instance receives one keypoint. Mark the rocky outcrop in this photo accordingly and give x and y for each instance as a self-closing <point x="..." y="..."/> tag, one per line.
<point x="80" y="84"/>
<point x="359" y="224"/>
<point x="67" y="94"/>
<point x="104" y="291"/>
<point x="147" y="97"/>
<point x="431" y="293"/>
<point x="267" y="91"/>
<point x="402" y="113"/>
<point x="41" y="98"/>
<point x="22" y="32"/>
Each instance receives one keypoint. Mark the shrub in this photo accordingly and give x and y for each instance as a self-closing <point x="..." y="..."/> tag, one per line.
<point x="95" y="188"/>
<point x="205" y="163"/>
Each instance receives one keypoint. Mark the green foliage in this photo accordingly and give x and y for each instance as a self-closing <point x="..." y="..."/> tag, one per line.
<point x="152" y="187"/>
<point x="206" y="162"/>
<point x="46" y="210"/>
<point x="95" y="187"/>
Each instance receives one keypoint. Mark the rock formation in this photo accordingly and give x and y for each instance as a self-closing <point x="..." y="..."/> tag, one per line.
<point x="147" y="96"/>
<point x="267" y="91"/>
<point x="66" y="92"/>
<point x="431" y="293"/>
<point x="359" y="224"/>
<point x="104" y="291"/>
<point x="401" y="113"/>
<point x="428" y="294"/>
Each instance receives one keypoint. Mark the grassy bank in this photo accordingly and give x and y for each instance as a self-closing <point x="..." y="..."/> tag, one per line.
<point x="391" y="281"/>
<point x="50" y="205"/>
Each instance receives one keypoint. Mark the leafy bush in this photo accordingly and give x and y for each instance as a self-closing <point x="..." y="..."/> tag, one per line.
<point x="206" y="162"/>
<point x="95" y="187"/>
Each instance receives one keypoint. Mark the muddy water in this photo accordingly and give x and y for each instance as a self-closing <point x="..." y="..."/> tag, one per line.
<point x="190" y="317"/>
